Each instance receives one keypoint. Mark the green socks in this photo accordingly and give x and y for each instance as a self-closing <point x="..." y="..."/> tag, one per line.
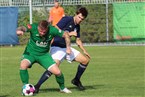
<point x="24" y="76"/>
<point x="60" y="81"/>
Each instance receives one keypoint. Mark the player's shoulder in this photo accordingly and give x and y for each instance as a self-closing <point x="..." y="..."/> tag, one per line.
<point x="52" y="8"/>
<point x="29" y="26"/>
<point x="61" y="8"/>
<point x="67" y="18"/>
<point x="52" y="28"/>
<point x="32" y="26"/>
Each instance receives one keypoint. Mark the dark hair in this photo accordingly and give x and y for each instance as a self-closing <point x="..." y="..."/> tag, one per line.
<point x="83" y="11"/>
<point x="43" y="24"/>
<point x="55" y="0"/>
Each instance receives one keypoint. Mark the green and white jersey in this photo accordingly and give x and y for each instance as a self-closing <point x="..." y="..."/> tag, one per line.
<point x="38" y="45"/>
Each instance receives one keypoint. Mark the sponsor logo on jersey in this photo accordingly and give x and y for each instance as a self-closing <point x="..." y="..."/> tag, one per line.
<point x="59" y="31"/>
<point x="75" y="30"/>
<point x="70" y="26"/>
<point x="41" y="44"/>
<point x="37" y="34"/>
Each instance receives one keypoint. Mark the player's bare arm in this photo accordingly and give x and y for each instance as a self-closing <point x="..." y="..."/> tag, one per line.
<point x="80" y="45"/>
<point x="67" y="40"/>
<point x="21" y="30"/>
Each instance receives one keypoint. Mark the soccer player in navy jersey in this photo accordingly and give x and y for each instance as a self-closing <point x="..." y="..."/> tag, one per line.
<point x="70" y="24"/>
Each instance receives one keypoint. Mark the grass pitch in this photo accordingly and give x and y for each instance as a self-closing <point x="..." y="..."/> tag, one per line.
<point x="114" y="71"/>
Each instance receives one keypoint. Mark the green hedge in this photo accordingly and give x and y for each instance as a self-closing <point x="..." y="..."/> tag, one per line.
<point x="93" y="29"/>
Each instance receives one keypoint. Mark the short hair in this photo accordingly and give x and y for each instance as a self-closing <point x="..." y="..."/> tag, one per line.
<point x="43" y="24"/>
<point x="55" y="0"/>
<point x="83" y="11"/>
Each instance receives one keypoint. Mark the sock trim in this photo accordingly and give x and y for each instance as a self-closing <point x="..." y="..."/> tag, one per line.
<point x="83" y="66"/>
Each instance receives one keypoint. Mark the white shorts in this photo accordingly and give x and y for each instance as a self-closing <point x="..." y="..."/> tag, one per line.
<point x="60" y="54"/>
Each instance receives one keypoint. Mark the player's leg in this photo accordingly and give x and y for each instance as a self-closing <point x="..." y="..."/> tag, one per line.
<point x="44" y="62"/>
<point x="57" y="54"/>
<point x="83" y="60"/>
<point x="59" y="78"/>
<point x="25" y="63"/>
<point x="43" y="78"/>
<point x="49" y="64"/>
<point x="24" y="72"/>
<point x="83" y="63"/>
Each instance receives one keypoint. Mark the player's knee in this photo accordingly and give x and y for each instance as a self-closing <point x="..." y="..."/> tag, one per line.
<point x="86" y="61"/>
<point x="55" y="70"/>
<point x="23" y="66"/>
<point x="58" y="73"/>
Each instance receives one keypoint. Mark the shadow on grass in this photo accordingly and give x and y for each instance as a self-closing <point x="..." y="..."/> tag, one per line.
<point x="49" y="89"/>
<point x="5" y="96"/>
<point x="94" y="87"/>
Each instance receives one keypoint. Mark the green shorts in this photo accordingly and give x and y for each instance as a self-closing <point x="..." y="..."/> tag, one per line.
<point x="44" y="60"/>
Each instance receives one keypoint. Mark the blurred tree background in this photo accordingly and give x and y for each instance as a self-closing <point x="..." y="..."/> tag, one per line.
<point x="93" y="28"/>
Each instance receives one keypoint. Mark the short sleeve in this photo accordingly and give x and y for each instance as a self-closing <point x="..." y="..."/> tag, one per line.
<point x="56" y="32"/>
<point x="31" y="27"/>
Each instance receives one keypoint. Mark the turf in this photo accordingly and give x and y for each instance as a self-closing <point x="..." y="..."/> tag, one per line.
<point x="114" y="71"/>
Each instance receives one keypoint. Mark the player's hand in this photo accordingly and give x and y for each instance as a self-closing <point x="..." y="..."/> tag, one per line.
<point x="18" y="32"/>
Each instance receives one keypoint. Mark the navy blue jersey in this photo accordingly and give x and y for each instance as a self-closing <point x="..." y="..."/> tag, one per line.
<point x="66" y="24"/>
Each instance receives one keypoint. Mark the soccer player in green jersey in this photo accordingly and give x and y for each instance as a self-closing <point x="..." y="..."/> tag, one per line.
<point x="37" y="49"/>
